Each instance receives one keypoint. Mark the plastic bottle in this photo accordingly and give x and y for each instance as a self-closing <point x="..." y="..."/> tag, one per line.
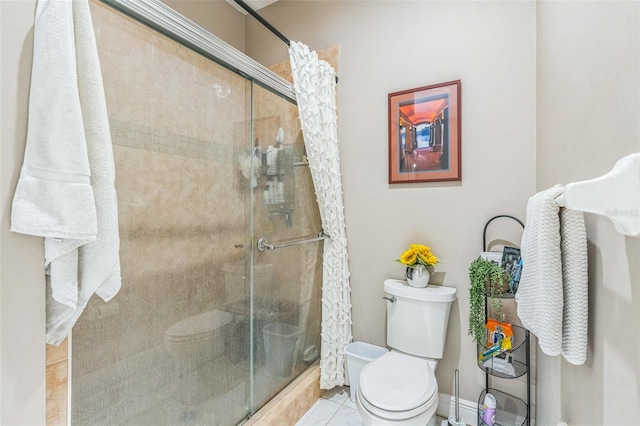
<point x="489" y="414"/>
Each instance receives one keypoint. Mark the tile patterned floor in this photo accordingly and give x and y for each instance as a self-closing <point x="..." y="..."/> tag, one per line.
<point x="334" y="408"/>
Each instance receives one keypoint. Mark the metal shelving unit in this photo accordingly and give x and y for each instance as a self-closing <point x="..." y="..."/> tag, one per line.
<point x="516" y="362"/>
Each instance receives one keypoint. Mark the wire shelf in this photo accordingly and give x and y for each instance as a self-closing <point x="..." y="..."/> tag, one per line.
<point x="510" y="410"/>
<point x="509" y="364"/>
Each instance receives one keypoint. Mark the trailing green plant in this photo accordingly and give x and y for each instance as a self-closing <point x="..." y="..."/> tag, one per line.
<point x="487" y="279"/>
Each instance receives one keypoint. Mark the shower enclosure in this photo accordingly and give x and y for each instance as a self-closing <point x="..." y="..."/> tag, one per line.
<point x="209" y="158"/>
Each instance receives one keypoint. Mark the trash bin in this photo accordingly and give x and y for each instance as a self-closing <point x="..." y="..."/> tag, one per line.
<point x="280" y="347"/>
<point x="360" y="354"/>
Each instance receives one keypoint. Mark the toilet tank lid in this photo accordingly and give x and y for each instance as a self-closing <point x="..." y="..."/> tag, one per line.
<point x="431" y="293"/>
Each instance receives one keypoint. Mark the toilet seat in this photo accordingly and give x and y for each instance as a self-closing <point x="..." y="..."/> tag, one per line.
<point x="398" y="386"/>
<point x="198" y="327"/>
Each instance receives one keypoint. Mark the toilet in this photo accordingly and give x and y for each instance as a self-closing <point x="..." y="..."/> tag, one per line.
<point x="192" y="342"/>
<point x="400" y="387"/>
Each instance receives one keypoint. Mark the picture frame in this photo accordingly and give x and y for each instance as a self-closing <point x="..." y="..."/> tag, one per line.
<point x="425" y="134"/>
<point x="512" y="264"/>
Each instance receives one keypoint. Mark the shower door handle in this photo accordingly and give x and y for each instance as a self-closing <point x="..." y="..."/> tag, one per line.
<point x="263" y="244"/>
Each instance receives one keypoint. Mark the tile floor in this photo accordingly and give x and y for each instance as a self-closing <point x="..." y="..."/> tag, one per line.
<point x="334" y="408"/>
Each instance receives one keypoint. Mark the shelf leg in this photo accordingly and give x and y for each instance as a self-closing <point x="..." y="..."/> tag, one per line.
<point x="528" y="358"/>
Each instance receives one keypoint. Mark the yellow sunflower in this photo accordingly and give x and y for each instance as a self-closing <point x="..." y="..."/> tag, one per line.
<point x="418" y="254"/>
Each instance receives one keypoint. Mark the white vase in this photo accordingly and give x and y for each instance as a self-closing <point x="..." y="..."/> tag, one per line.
<point x="418" y="276"/>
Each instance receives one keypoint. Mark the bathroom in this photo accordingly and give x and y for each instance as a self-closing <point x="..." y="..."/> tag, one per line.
<point x="550" y="94"/>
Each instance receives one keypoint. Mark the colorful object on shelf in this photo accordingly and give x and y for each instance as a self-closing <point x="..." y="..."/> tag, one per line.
<point x="495" y="350"/>
<point x="499" y="336"/>
<point x="498" y="331"/>
<point x="489" y="409"/>
<point x="513" y="285"/>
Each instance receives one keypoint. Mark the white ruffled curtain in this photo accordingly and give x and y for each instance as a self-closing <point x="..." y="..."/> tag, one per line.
<point x="314" y="83"/>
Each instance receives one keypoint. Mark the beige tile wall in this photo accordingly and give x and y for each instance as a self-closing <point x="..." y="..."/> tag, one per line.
<point x="57" y="364"/>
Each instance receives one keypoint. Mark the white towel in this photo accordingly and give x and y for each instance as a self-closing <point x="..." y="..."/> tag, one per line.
<point x="575" y="275"/>
<point x="552" y="294"/>
<point x="66" y="189"/>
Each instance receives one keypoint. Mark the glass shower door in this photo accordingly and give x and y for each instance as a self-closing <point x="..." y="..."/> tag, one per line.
<point x="286" y="283"/>
<point x="173" y="347"/>
<point x="206" y="328"/>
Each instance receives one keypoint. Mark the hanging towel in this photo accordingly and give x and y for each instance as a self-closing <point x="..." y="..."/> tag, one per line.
<point x="552" y="294"/>
<point x="575" y="276"/>
<point x="66" y="188"/>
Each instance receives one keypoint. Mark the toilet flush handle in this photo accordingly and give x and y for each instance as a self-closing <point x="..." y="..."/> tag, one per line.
<point x="390" y="299"/>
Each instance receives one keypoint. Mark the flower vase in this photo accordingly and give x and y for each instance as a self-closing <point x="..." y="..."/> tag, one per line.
<point x="418" y="276"/>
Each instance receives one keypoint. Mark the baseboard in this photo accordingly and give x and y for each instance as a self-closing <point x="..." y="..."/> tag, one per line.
<point x="468" y="409"/>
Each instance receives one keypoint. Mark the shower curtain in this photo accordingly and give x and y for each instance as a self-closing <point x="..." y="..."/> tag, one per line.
<point x="314" y="83"/>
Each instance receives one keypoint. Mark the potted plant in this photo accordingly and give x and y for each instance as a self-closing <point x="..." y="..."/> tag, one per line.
<point x="488" y="279"/>
<point x="417" y="258"/>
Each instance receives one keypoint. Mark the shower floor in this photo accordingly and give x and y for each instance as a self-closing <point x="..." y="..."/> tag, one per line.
<point x="136" y="396"/>
<point x="222" y="410"/>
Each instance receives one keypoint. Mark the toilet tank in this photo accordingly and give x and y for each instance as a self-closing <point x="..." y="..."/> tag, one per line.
<point x="417" y="319"/>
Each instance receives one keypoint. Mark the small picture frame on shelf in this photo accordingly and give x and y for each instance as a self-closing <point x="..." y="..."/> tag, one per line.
<point x="512" y="264"/>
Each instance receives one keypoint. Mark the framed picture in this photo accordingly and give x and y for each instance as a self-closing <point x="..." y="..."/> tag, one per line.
<point x="512" y="264"/>
<point x="424" y="134"/>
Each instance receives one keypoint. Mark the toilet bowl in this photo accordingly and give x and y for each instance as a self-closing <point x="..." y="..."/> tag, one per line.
<point x="398" y="389"/>
<point x="192" y="342"/>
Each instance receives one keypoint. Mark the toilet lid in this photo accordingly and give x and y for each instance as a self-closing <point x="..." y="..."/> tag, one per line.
<point x="198" y="326"/>
<point x="398" y="382"/>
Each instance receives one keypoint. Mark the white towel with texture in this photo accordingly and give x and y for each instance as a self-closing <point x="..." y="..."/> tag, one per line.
<point x="553" y="289"/>
<point x="66" y="188"/>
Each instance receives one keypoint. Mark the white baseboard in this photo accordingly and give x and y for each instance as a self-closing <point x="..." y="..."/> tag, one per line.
<point x="468" y="409"/>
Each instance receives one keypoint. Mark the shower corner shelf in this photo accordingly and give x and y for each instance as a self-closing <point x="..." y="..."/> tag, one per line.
<point x="510" y="410"/>
<point x="280" y="187"/>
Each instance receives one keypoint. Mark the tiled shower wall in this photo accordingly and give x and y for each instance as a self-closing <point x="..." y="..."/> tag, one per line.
<point x="179" y="122"/>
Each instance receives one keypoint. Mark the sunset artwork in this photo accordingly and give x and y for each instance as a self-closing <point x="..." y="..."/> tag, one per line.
<point x="424" y="134"/>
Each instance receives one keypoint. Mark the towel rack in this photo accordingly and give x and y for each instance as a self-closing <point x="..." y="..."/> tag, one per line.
<point x="615" y="195"/>
<point x="263" y="244"/>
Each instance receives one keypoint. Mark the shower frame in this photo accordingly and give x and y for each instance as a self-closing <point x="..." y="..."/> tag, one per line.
<point x="168" y="22"/>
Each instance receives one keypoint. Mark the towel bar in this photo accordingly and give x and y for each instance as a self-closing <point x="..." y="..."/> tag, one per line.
<point x="615" y="195"/>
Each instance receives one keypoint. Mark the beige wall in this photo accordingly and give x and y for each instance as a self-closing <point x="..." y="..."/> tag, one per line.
<point x="22" y="355"/>
<point x="588" y="117"/>
<point x="391" y="46"/>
